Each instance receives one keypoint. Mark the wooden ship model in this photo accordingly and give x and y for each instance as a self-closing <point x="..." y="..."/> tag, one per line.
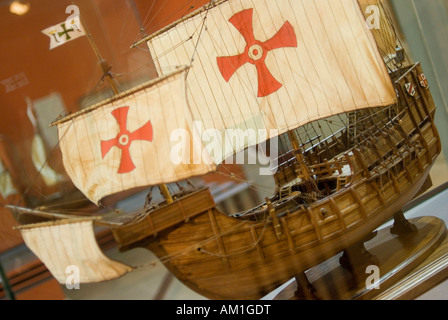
<point x="354" y="128"/>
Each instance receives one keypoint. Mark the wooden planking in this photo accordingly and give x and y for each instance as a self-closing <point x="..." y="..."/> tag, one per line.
<point x="215" y="281"/>
<point x="165" y="217"/>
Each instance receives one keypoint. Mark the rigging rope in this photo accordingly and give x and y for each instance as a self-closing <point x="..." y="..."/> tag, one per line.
<point x="229" y="173"/>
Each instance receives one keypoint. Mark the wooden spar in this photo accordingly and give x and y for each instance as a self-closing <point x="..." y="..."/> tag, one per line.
<point x="105" y="67"/>
<point x="208" y="6"/>
<point x="51" y="215"/>
<point x="273" y="215"/>
<point x="166" y="193"/>
<point x="301" y="161"/>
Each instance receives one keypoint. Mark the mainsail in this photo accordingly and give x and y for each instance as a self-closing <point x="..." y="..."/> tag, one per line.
<point x="71" y="243"/>
<point x="127" y="142"/>
<point x="273" y="65"/>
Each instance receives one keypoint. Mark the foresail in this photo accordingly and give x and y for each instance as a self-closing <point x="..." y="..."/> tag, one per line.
<point x="69" y="250"/>
<point x="268" y="66"/>
<point x="142" y="138"/>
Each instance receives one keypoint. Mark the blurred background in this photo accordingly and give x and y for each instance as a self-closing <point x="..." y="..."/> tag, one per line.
<point x="38" y="84"/>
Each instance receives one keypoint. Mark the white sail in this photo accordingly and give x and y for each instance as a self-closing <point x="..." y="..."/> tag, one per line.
<point x="38" y="152"/>
<point x="66" y="245"/>
<point x="127" y="142"/>
<point x="274" y="65"/>
<point x="7" y="187"/>
<point x="39" y="158"/>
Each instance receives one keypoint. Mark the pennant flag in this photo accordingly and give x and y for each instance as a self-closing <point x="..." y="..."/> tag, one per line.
<point x="64" y="32"/>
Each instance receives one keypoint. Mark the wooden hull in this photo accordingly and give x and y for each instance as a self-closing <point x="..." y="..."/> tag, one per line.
<point x="228" y="259"/>
<point x="222" y="257"/>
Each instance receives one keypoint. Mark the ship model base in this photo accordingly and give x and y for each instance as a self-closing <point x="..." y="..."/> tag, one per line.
<point x="389" y="266"/>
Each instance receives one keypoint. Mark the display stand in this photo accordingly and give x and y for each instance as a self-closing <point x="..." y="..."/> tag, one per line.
<point x="389" y="266"/>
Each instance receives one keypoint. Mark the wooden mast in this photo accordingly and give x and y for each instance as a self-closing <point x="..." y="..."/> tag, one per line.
<point x="105" y="67"/>
<point x="304" y="171"/>
<point x="166" y="193"/>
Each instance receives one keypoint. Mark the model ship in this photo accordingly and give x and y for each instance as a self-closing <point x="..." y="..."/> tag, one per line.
<point x="354" y="127"/>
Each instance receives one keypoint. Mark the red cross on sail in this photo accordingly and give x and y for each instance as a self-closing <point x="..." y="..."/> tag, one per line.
<point x="307" y="59"/>
<point x="126" y="142"/>
<point x="256" y="52"/>
<point x="124" y="139"/>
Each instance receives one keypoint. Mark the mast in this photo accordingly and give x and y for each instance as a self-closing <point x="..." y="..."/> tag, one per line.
<point x="166" y="193"/>
<point x="105" y="67"/>
<point x="304" y="171"/>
